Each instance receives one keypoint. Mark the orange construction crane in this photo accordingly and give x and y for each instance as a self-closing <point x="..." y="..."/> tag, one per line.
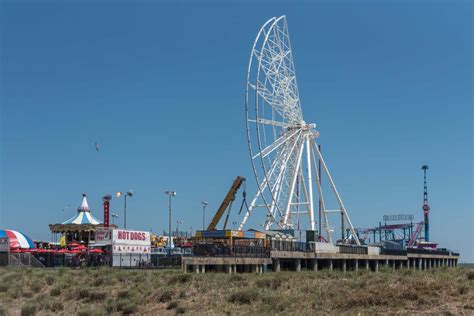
<point x="227" y="202"/>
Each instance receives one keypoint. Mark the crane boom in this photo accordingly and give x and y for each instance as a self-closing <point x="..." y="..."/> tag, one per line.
<point x="229" y="198"/>
<point x="415" y="234"/>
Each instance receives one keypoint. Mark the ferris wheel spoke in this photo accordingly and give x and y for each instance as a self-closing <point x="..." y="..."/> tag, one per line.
<point x="277" y="192"/>
<point x="293" y="183"/>
<point x="270" y="122"/>
<point x="270" y="98"/>
<point x="260" y="191"/>
<point x="276" y="144"/>
<point x="286" y="155"/>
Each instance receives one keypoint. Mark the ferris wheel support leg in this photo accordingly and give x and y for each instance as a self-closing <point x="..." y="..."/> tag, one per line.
<point x="337" y="195"/>
<point x="310" y="183"/>
<point x="293" y="184"/>
<point x="323" y="205"/>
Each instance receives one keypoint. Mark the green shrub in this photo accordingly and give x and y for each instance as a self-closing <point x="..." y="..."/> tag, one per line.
<point x="83" y="312"/>
<point x="182" y="294"/>
<point x="8" y="278"/>
<point x="122" y="278"/>
<point x="243" y="297"/>
<point x="236" y="278"/>
<point x="55" y="291"/>
<point x="50" y="279"/>
<point x="180" y="278"/>
<point x="36" y="286"/>
<point x="97" y="295"/>
<point x="470" y="275"/>
<point x="28" y="309"/>
<point x="82" y="293"/>
<point x="15" y="292"/>
<point x="98" y="282"/>
<point x="172" y="305"/>
<point x="126" y="307"/>
<point x="123" y="294"/>
<point x="166" y="296"/>
<point x="27" y="294"/>
<point x="268" y="283"/>
<point x="110" y="305"/>
<point x="463" y="289"/>
<point x="55" y="306"/>
<point x="91" y="312"/>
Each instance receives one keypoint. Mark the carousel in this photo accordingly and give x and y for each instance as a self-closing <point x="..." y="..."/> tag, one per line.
<point x="80" y="228"/>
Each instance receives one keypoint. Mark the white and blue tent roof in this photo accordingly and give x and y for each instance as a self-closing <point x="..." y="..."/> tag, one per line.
<point x="83" y="215"/>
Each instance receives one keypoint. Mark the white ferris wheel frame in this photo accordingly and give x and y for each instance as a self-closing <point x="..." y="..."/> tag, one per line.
<point x="289" y="161"/>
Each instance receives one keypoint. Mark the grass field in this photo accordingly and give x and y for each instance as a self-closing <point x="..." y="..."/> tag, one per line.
<point x="169" y="292"/>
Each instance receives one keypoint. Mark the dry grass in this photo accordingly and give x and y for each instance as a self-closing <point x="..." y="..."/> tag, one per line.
<point x="169" y="292"/>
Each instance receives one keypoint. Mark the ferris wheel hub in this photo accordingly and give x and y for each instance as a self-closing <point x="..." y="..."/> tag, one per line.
<point x="307" y="126"/>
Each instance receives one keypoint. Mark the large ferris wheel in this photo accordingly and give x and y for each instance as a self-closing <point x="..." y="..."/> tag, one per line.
<point x="282" y="146"/>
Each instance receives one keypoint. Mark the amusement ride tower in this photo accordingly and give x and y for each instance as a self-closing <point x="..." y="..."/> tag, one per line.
<point x="426" y="207"/>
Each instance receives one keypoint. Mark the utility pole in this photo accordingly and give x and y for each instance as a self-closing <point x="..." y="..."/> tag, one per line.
<point x="204" y="204"/>
<point x="124" y="194"/>
<point x="170" y="194"/>
<point x="320" y="202"/>
<point x="426" y="207"/>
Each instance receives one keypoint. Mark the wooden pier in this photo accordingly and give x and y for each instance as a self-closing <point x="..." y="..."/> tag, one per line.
<point x="314" y="261"/>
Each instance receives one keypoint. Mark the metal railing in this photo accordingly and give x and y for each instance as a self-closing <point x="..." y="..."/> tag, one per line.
<point x="303" y="246"/>
<point x="148" y="261"/>
<point x="428" y="251"/>
<point x="221" y="250"/>
<point x="24" y="260"/>
<point x="350" y="249"/>
<point x="393" y="252"/>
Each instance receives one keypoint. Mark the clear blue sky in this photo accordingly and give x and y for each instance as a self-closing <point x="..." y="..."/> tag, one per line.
<point x="161" y="86"/>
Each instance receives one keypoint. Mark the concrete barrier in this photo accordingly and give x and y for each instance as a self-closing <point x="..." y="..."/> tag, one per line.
<point x="373" y="250"/>
<point x="322" y="247"/>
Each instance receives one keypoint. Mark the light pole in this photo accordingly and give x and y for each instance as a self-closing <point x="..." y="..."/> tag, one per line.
<point x="170" y="194"/>
<point x="177" y="226"/>
<point x="114" y="216"/>
<point x="204" y="204"/>
<point x="118" y="195"/>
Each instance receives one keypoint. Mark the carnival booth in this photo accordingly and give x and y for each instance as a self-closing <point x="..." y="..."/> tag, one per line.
<point x="79" y="228"/>
<point x="125" y="248"/>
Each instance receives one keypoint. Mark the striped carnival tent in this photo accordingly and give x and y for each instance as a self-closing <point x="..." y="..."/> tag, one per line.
<point x="83" y="215"/>
<point x="79" y="228"/>
<point x="17" y="240"/>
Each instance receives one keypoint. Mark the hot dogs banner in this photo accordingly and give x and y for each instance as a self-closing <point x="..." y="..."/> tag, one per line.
<point x="124" y="241"/>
